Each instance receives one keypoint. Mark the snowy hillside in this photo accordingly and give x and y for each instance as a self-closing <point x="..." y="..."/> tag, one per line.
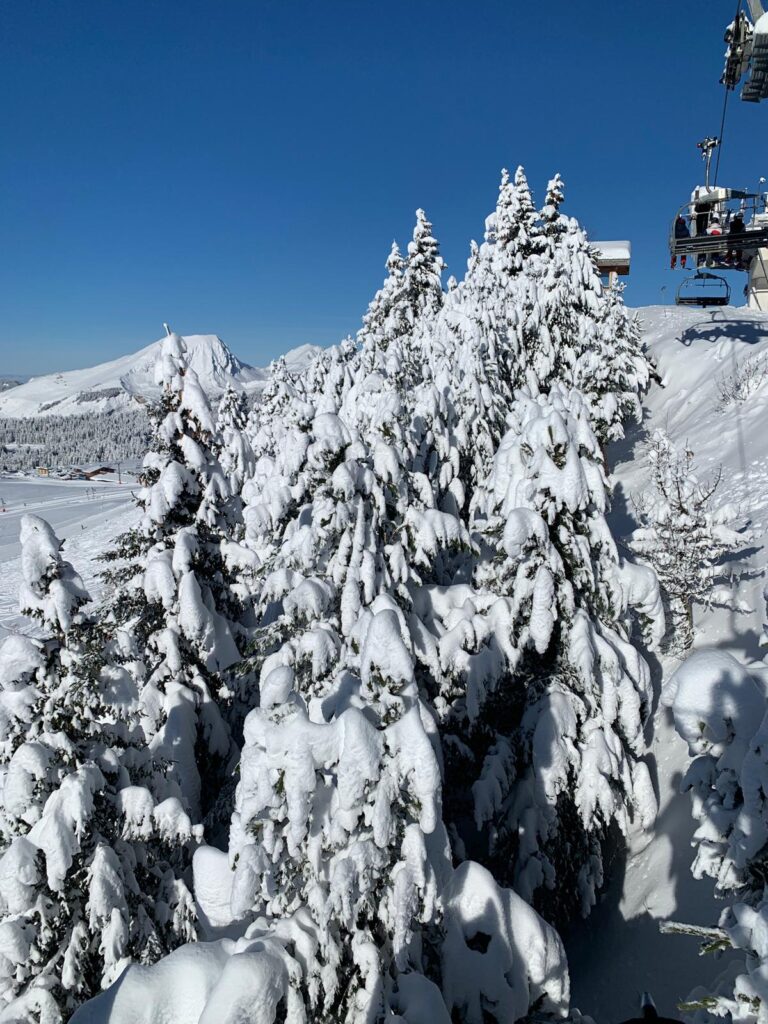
<point x="115" y="384"/>
<point x="714" y="367"/>
<point x="87" y="515"/>
<point x="700" y="355"/>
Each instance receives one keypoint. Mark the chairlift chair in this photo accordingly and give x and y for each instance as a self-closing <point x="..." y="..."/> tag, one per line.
<point x="703" y="289"/>
<point x="701" y="247"/>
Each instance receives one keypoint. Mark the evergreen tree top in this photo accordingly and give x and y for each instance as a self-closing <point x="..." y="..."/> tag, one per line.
<point x="550" y="212"/>
<point x="395" y="261"/>
<point x="424" y="246"/>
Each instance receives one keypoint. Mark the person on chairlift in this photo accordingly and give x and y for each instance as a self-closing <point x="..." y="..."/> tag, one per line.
<point x="736" y="228"/>
<point x="681" y="231"/>
<point x="701" y="211"/>
<point x="715" y="228"/>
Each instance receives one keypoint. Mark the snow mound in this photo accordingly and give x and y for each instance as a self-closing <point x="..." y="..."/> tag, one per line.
<point x="497" y="949"/>
<point x="714" y="701"/>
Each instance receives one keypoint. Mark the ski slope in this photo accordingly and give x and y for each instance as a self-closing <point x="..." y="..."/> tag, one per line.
<point x="87" y="514"/>
<point x="619" y="951"/>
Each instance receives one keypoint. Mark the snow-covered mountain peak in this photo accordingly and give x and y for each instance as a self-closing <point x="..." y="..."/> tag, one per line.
<point x="118" y="383"/>
<point x="215" y="365"/>
<point x="298" y="358"/>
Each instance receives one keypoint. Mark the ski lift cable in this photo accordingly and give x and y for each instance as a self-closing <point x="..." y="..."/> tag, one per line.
<point x="725" y="105"/>
<point x="720" y="137"/>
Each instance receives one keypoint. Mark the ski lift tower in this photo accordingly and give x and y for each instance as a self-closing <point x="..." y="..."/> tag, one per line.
<point x="746" y="55"/>
<point x="746" y="58"/>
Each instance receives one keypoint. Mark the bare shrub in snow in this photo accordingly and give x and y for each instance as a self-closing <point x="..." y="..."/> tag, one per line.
<point x="736" y="387"/>
<point x="682" y="534"/>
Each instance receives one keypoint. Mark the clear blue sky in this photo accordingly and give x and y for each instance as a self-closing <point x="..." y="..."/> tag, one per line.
<point x="241" y="166"/>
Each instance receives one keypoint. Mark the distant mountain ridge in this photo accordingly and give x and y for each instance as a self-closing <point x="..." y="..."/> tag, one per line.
<point x="117" y="384"/>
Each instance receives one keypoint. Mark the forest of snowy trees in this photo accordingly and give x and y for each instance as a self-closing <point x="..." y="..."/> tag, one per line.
<point x="351" y="734"/>
<point x="61" y="442"/>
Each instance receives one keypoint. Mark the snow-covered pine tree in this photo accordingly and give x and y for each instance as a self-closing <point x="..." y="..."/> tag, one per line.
<point x="682" y="534"/>
<point x="180" y="596"/>
<point x="89" y="870"/>
<point x="553" y="223"/>
<point x="563" y="297"/>
<point x="331" y="376"/>
<point x="411" y="297"/>
<point x="470" y="387"/>
<point x="546" y="697"/>
<point x="52" y="595"/>
<point x="235" y="454"/>
<point x="238" y="463"/>
<point x="516" y="228"/>
<point x="277" y="402"/>
<point x="377" y="328"/>
<point x="474" y="340"/>
<point x="349" y="826"/>
<point x="531" y="311"/>
<point x="533" y="294"/>
<point x="511" y="238"/>
<point x="411" y="292"/>
<point x="422" y="276"/>
<point x="339" y="802"/>
<point x="583" y="334"/>
<point x="612" y="371"/>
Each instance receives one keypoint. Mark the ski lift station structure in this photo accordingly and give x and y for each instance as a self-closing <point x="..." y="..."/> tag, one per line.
<point x="722" y="228"/>
<point x="747" y="53"/>
<point x="613" y="259"/>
